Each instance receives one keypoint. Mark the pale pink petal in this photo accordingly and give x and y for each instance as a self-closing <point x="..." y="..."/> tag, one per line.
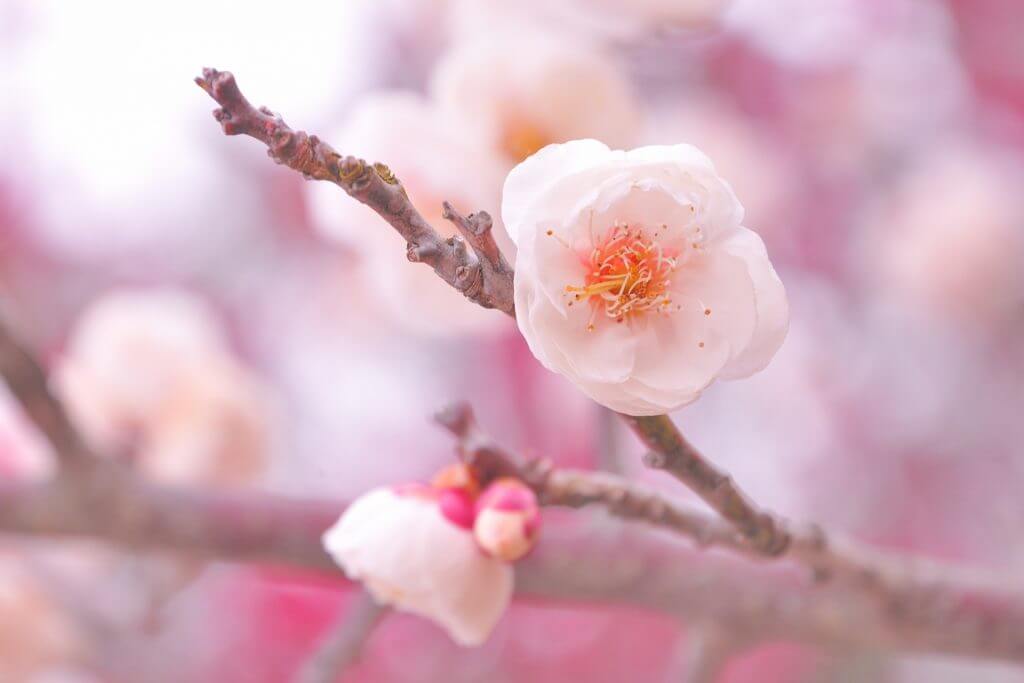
<point x="552" y="89"/>
<point x="532" y="179"/>
<point x="409" y="556"/>
<point x="698" y="350"/>
<point x="719" y="288"/>
<point x="604" y="355"/>
<point x="772" y="305"/>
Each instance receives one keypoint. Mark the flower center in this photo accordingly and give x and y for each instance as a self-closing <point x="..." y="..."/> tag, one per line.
<point x="627" y="274"/>
<point x="520" y="140"/>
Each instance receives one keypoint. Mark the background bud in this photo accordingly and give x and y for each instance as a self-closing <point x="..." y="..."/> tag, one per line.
<point x="507" y="520"/>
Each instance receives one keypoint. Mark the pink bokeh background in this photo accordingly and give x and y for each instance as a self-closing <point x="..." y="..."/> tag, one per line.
<point x="878" y="146"/>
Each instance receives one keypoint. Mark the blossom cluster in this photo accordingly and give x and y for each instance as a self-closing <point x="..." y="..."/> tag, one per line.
<point x="442" y="551"/>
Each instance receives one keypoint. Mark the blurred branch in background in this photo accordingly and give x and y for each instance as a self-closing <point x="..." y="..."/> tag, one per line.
<point x="26" y="380"/>
<point x="344" y="642"/>
<point x="894" y="604"/>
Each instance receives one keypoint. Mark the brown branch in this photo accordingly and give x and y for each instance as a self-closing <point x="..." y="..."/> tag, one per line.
<point x="344" y="642"/>
<point x="482" y="276"/>
<point x="832" y="557"/>
<point x="27" y="381"/>
<point x="671" y="452"/>
<point x="576" y="489"/>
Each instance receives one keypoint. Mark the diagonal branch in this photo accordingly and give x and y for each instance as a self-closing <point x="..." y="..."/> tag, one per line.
<point x="482" y="276"/>
<point x="343" y="644"/>
<point x="671" y="452"/>
<point x="577" y="489"/>
<point x="26" y="380"/>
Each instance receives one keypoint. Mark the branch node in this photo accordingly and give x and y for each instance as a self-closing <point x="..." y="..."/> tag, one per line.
<point x="417" y="253"/>
<point x="490" y="283"/>
<point x="655" y="460"/>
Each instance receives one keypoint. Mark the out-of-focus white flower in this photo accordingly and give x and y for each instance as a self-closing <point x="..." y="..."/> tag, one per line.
<point x="147" y="372"/>
<point x="635" y="278"/>
<point x="127" y="350"/>
<point x="34" y="633"/>
<point x="212" y="428"/>
<point x="24" y="453"/>
<point x="551" y="89"/>
<point x="507" y="519"/>
<point x="600" y="19"/>
<point x="407" y="554"/>
<point x="435" y="161"/>
<point x="949" y="237"/>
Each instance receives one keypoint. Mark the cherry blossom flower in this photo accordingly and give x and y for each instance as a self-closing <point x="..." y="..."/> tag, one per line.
<point x="552" y="89"/>
<point x="435" y="162"/>
<point x="507" y="520"/>
<point x="636" y="279"/>
<point x="408" y="554"/>
<point x="148" y="374"/>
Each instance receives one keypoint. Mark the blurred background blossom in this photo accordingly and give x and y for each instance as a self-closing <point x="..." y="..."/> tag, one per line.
<point x="876" y="144"/>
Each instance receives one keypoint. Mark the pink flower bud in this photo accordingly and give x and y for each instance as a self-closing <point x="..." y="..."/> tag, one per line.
<point x="457" y="487"/>
<point x="507" y="520"/>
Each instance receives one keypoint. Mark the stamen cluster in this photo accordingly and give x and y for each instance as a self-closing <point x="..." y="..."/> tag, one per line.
<point x="627" y="273"/>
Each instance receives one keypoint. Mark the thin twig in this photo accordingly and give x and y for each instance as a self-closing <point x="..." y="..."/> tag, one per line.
<point x="671" y="452"/>
<point x="483" y="275"/>
<point x="344" y="642"/>
<point x="576" y="489"/>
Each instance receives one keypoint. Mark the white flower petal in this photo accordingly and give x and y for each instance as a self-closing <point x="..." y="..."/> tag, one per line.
<point x="670" y="355"/>
<point x="772" y="306"/>
<point x="722" y="292"/>
<point x="409" y="556"/>
<point x="683" y="154"/>
<point x="531" y="179"/>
